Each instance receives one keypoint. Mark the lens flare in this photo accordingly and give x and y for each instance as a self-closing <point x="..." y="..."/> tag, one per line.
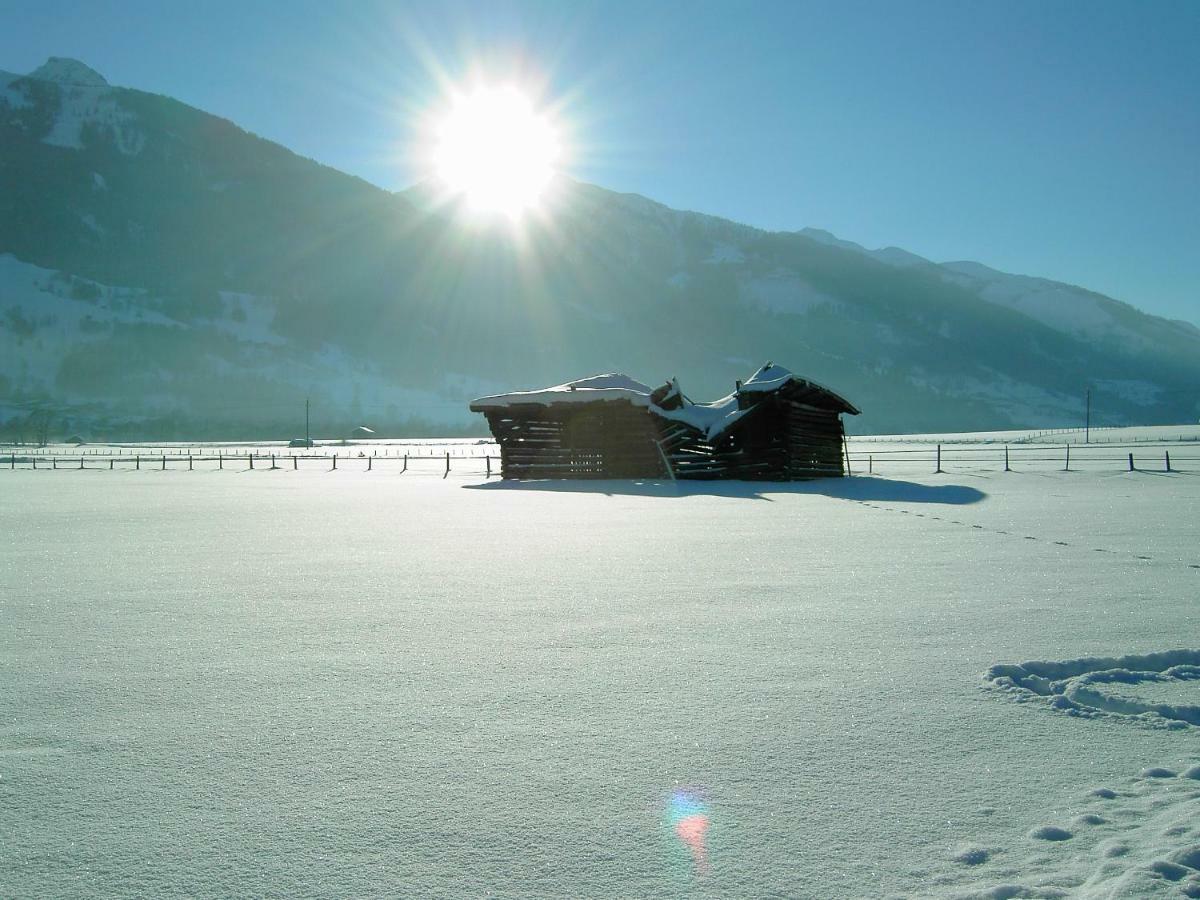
<point x="687" y="816"/>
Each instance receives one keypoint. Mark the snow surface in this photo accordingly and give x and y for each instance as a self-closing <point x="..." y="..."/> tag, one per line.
<point x="50" y="301"/>
<point x="1062" y="307"/>
<point x="43" y="297"/>
<point x="724" y="252"/>
<point x="85" y="99"/>
<point x="455" y="687"/>
<point x="784" y="293"/>
<point x="769" y="377"/>
<point x="613" y="386"/>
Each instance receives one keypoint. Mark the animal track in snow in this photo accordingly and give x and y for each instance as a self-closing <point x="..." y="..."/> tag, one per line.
<point x="1157" y="689"/>
<point x="1028" y="537"/>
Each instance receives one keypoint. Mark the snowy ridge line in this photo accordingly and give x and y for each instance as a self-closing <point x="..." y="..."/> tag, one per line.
<point x="1027" y="537"/>
<point x="1084" y="686"/>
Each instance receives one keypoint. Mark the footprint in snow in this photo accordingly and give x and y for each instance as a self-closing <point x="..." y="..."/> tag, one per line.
<point x="972" y="856"/>
<point x="1149" y="846"/>
<point x="1051" y="833"/>
<point x="1158" y="689"/>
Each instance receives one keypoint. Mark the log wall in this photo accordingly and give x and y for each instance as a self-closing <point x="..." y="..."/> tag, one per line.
<point x="781" y="438"/>
<point x="607" y="439"/>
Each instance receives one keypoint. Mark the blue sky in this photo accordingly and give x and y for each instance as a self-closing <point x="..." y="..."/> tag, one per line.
<point x="1059" y="139"/>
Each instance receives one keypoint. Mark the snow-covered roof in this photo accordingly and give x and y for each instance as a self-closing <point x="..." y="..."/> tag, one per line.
<point x="772" y="377"/>
<point x="711" y="419"/>
<point x="613" y="386"/>
<point x="769" y="378"/>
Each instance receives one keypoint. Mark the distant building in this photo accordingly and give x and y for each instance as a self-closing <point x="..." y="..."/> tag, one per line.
<point x="775" y="426"/>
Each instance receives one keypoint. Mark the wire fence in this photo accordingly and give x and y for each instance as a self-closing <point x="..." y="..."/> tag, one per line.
<point x="444" y="463"/>
<point x="484" y="459"/>
<point x="941" y="459"/>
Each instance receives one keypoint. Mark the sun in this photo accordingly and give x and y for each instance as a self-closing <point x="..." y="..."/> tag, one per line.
<point x="495" y="149"/>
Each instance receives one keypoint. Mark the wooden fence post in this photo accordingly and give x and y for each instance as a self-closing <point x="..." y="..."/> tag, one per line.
<point x="870" y="464"/>
<point x="488" y="460"/>
<point x="1067" y="467"/>
<point x="370" y="459"/>
<point x="1167" y="455"/>
<point x="220" y="460"/>
<point x="447" y="463"/>
<point x="189" y="462"/>
<point x="405" y="469"/>
<point x="294" y="464"/>
<point x="938" y="471"/>
<point x="164" y="462"/>
<point x="251" y="460"/>
<point x="1006" y="468"/>
<point x="335" y="461"/>
<point x="110" y="464"/>
<point x="137" y="462"/>
<point x="1130" y="462"/>
<point x="81" y="462"/>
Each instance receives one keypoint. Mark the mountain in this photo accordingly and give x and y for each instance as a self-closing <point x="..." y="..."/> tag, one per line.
<point x="166" y="273"/>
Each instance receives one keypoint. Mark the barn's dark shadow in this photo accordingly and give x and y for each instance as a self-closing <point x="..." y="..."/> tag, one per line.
<point x="857" y="488"/>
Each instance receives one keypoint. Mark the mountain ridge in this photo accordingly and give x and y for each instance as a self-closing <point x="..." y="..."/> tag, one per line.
<point x="261" y="274"/>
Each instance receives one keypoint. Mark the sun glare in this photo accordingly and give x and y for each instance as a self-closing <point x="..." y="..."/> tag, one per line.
<point x="496" y="150"/>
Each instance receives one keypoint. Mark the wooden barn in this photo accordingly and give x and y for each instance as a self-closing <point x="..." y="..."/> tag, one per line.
<point x="775" y="426"/>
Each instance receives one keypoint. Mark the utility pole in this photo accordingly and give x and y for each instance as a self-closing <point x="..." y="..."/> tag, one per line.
<point x="1087" y="422"/>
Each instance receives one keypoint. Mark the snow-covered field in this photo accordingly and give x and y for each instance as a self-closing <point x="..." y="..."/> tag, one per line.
<point x="351" y="683"/>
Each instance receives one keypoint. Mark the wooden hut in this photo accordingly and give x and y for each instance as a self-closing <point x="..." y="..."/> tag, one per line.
<point x="775" y="426"/>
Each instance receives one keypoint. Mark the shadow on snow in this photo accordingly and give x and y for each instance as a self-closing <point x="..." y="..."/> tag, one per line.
<point x="858" y="487"/>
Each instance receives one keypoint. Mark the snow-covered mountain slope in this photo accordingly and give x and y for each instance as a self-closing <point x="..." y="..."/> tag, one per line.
<point x="1063" y="307"/>
<point x="84" y="99"/>
<point x="148" y="198"/>
<point x="119" y="356"/>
